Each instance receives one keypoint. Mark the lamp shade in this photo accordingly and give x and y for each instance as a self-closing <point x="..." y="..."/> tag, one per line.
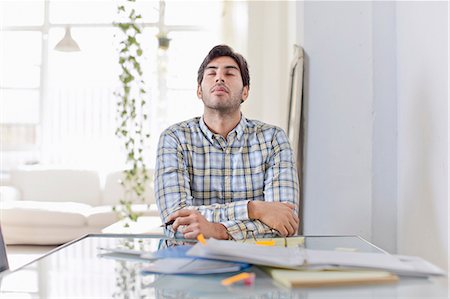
<point x="67" y="44"/>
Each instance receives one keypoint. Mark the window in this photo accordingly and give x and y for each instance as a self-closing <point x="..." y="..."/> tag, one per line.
<point x="59" y="108"/>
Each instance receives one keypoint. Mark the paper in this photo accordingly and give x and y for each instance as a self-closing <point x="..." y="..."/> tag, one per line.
<point x="192" y="266"/>
<point x="419" y="266"/>
<point x="249" y="253"/>
<point x="124" y="251"/>
<point x="300" y="258"/>
<point x="411" y="266"/>
<point x="354" y="259"/>
<point x="172" y="260"/>
<point x="126" y="254"/>
<point x="125" y="257"/>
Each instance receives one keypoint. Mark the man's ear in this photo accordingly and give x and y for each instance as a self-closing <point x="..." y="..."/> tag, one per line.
<point x="199" y="91"/>
<point x="245" y="93"/>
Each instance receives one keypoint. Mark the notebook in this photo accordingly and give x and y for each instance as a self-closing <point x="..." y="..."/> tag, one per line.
<point x="321" y="278"/>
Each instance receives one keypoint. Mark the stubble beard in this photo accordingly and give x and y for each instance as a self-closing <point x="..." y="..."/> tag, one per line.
<point x="223" y="106"/>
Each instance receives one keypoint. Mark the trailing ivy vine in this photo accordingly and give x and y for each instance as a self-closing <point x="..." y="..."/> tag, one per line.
<point x="132" y="105"/>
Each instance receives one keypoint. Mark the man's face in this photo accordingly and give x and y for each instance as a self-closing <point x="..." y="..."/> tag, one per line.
<point x="222" y="88"/>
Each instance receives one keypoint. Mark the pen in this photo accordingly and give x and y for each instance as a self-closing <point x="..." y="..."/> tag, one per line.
<point x="168" y="223"/>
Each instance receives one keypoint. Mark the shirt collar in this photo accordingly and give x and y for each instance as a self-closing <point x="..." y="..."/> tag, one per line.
<point x="206" y="130"/>
<point x="239" y="129"/>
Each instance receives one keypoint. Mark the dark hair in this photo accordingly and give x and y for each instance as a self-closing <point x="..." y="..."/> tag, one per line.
<point x="224" y="50"/>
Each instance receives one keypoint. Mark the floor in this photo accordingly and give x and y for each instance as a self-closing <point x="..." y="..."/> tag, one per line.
<point x="19" y="255"/>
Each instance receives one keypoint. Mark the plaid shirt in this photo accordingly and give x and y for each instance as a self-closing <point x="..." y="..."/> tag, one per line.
<point x="200" y="170"/>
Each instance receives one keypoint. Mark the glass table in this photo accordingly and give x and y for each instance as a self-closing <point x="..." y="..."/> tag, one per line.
<point x="76" y="270"/>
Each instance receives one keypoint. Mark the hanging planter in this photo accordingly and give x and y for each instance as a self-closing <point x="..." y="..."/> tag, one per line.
<point x="132" y="110"/>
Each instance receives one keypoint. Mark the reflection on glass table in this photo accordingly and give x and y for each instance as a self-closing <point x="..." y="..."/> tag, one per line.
<point x="77" y="270"/>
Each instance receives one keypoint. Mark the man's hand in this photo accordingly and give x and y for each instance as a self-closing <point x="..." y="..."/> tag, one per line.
<point x="194" y="224"/>
<point x="278" y="215"/>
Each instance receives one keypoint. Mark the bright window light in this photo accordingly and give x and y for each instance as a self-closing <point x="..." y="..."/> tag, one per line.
<point x="67" y="101"/>
<point x="22" y="47"/>
<point x="199" y="13"/>
<point x="94" y="66"/>
<point x="20" y="106"/>
<point x="20" y="12"/>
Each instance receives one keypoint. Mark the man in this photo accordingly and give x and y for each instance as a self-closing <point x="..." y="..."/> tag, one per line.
<point x="221" y="174"/>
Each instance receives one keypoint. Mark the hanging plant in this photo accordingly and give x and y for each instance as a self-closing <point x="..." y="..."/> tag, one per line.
<point x="132" y="105"/>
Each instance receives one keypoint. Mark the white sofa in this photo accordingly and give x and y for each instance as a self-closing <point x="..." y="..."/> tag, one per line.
<point x="54" y="206"/>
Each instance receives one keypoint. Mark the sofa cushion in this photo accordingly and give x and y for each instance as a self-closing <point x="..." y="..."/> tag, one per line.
<point x="9" y="193"/>
<point x="104" y="216"/>
<point x="58" y="185"/>
<point x="33" y="213"/>
<point x="44" y="235"/>
<point x="113" y="190"/>
<point x="101" y="216"/>
<point x="143" y="225"/>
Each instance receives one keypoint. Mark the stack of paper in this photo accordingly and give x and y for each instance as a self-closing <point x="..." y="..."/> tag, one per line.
<point x="300" y="258"/>
<point x="288" y="257"/>
<point x="172" y="260"/>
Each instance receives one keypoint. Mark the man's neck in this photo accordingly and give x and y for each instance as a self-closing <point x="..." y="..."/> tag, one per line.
<point x="222" y="124"/>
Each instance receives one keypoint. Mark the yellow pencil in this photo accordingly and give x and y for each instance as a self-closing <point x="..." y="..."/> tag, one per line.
<point x="241" y="276"/>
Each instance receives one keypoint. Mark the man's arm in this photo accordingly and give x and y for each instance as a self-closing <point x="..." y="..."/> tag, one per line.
<point x="279" y="210"/>
<point x="191" y="223"/>
<point x="173" y="194"/>
<point x="172" y="188"/>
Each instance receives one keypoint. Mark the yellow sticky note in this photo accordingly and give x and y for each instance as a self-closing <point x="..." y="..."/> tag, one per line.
<point x="266" y="243"/>
<point x="201" y="239"/>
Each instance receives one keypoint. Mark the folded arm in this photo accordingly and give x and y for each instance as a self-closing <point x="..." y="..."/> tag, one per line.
<point x="278" y="211"/>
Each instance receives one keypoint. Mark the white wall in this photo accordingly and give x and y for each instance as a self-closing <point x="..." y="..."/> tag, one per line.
<point x="422" y="80"/>
<point x="376" y="95"/>
<point x="269" y="50"/>
<point x="338" y="104"/>
<point x="384" y="138"/>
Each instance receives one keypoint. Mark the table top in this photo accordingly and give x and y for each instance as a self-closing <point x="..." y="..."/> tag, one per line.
<point x="76" y="270"/>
